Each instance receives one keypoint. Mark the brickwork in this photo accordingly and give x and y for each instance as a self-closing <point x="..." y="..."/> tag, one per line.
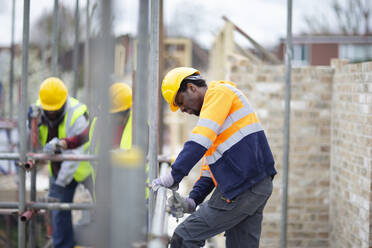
<point x="330" y="189"/>
<point x="309" y="152"/>
<point x="350" y="194"/>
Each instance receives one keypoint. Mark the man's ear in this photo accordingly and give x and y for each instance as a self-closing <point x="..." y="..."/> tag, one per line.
<point x="191" y="86"/>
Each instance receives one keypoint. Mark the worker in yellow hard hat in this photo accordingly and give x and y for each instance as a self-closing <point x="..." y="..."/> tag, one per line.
<point x="63" y="128"/>
<point x="237" y="162"/>
<point x="120" y="110"/>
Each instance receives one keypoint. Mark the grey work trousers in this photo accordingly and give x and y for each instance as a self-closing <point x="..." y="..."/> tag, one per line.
<point x="240" y="219"/>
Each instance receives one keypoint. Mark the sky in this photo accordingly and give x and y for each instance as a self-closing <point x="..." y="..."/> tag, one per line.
<point x="264" y="20"/>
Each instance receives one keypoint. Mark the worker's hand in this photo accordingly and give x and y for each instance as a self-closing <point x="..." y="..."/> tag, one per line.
<point x="164" y="181"/>
<point x="34" y="111"/>
<point x="55" y="145"/>
<point x="179" y="205"/>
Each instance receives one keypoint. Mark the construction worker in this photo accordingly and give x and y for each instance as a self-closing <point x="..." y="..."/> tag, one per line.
<point x="63" y="125"/>
<point x="120" y="110"/>
<point x="238" y="162"/>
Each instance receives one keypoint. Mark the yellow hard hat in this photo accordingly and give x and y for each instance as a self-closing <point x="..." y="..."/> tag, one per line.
<point x="171" y="84"/>
<point x="121" y="97"/>
<point x="52" y="94"/>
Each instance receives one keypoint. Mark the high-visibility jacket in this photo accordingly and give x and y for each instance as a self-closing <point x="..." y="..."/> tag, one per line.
<point x="125" y="143"/>
<point x="71" y="125"/>
<point x="126" y="137"/>
<point x="233" y="141"/>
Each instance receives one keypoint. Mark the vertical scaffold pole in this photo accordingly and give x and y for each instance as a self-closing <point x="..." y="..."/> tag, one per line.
<point x="76" y="50"/>
<point x="287" y="115"/>
<point x="153" y="101"/>
<point x="140" y="138"/>
<point x="101" y="70"/>
<point x="86" y="55"/>
<point x="11" y="71"/>
<point x="55" y="39"/>
<point x="22" y="124"/>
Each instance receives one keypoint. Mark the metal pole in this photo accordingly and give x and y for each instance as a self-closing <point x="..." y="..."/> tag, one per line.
<point x="104" y="57"/>
<point x="22" y="123"/>
<point x="61" y="157"/>
<point x="76" y="51"/>
<point x="86" y="55"/>
<point x="11" y="72"/>
<point x="48" y="205"/>
<point x="51" y="157"/>
<point x="55" y="39"/>
<point x="140" y="116"/>
<point x="34" y="135"/>
<point x="283" y="238"/>
<point x="32" y="226"/>
<point x="153" y="101"/>
<point x="158" y="236"/>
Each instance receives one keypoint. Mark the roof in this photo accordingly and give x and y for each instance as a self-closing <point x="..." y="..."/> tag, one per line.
<point x="326" y="39"/>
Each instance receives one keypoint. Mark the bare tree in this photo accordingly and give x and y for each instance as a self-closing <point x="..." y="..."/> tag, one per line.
<point x="349" y="17"/>
<point x="41" y="31"/>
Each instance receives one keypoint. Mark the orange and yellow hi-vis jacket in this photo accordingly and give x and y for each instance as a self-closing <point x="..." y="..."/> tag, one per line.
<point x="232" y="140"/>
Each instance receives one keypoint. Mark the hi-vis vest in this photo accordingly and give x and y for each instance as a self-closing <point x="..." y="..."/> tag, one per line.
<point x="125" y="142"/>
<point x="74" y="110"/>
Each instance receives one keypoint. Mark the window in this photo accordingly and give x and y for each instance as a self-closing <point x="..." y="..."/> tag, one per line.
<point x="300" y="55"/>
<point x="355" y="53"/>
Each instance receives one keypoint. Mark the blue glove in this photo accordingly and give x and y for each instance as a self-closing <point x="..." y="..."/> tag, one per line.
<point x="53" y="146"/>
<point x="56" y="191"/>
<point x="164" y="181"/>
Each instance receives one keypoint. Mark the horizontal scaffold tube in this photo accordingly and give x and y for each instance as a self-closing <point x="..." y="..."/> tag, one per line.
<point x="52" y="157"/>
<point x="65" y="157"/>
<point x="49" y="205"/>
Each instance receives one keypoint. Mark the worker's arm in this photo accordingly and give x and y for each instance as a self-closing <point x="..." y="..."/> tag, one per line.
<point x="68" y="168"/>
<point x="201" y="189"/>
<point x="77" y="140"/>
<point x="216" y="107"/>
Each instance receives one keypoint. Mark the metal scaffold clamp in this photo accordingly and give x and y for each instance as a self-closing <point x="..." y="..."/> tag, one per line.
<point x="27" y="165"/>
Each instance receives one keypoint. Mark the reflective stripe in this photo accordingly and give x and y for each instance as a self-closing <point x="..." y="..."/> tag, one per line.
<point x="206" y="132"/>
<point x="209" y="124"/>
<point x="237" y="115"/>
<point x="72" y="106"/>
<point x="232" y="140"/>
<point x="206" y="173"/>
<point x="239" y="94"/>
<point x="80" y="110"/>
<point x="87" y="145"/>
<point x="246" y="121"/>
<point x="201" y="140"/>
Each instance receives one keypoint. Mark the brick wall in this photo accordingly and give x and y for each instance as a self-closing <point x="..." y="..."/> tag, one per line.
<point x="350" y="194"/>
<point x="309" y="152"/>
<point x="329" y="201"/>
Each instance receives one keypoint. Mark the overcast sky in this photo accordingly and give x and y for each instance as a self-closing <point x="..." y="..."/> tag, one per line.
<point x="263" y="20"/>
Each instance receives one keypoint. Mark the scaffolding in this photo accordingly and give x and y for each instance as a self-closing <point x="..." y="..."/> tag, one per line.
<point x="122" y="173"/>
<point x="145" y="229"/>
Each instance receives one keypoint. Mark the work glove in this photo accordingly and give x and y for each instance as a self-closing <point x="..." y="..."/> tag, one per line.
<point x="164" y="181"/>
<point x="53" y="146"/>
<point x="55" y="193"/>
<point x="34" y="111"/>
<point x="179" y="205"/>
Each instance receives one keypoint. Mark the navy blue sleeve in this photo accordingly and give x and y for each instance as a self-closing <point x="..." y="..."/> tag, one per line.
<point x="191" y="153"/>
<point x="201" y="189"/>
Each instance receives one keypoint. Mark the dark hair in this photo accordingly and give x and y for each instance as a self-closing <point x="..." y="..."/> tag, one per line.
<point x="194" y="79"/>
